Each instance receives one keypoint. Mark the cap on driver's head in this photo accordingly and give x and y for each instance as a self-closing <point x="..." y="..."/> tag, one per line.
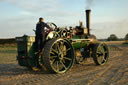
<point x="40" y="18"/>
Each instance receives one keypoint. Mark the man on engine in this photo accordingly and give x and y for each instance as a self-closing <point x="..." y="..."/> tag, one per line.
<point x="40" y="39"/>
<point x="40" y="34"/>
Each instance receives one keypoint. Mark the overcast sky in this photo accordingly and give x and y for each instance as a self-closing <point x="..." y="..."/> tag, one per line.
<point x="19" y="17"/>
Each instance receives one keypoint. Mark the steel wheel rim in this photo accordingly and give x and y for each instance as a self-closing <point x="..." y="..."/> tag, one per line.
<point x="102" y="54"/>
<point x="61" y="56"/>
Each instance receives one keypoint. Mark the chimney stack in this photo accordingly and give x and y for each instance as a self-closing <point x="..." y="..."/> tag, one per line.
<point x="88" y="12"/>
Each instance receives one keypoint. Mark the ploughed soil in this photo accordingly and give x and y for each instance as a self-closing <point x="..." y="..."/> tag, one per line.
<point x="115" y="72"/>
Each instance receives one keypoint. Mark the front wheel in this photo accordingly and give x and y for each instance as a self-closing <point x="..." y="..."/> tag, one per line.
<point x="100" y="53"/>
<point x="58" y="55"/>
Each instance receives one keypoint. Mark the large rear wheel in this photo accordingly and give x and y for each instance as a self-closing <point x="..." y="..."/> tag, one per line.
<point x="58" y="55"/>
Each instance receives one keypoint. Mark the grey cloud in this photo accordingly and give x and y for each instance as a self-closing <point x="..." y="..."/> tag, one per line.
<point x="17" y="27"/>
<point x="34" y="5"/>
<point x="103" y="30"/>
<point x="41" y="7"/>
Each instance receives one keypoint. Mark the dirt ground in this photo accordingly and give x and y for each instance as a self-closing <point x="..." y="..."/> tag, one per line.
<point x="115" y="72"/>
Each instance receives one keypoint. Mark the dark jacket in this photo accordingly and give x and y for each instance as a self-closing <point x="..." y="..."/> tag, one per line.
<point x="40" y="28"/>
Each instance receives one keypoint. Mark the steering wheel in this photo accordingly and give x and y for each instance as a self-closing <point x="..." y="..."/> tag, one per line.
<point x="52" y="25"/>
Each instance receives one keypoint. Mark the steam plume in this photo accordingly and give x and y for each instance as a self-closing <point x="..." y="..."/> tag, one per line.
<point x="89" y="4"/>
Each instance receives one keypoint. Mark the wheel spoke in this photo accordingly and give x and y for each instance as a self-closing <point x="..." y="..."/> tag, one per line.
<point x="52" y="61"/>
<point x="59" y="50"/>
<point x="62" y="42"/>
<point x="57" y="66"/>
<point x="63" y="64"/>
<point x="98" y="52"/>
<point x="104" y="60"/>
<point x="68" y="49"/>
<point x="62" y="45"/>
<point x="52" y="53"/>
<point x="101" y="59"/>
<point x="63" y="60"/>
<point x="53" y="56"/>
<point x="67" y="58"/>
<point x="54" y="50"/>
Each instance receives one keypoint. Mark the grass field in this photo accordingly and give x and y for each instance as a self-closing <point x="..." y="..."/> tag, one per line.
<point x="8" y="53"/>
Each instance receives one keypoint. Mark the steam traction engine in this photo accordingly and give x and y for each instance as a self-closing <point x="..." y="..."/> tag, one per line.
<point x="62" y="48"/>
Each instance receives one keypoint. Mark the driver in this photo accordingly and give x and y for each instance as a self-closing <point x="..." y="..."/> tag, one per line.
<point x="80" y="29"/>
<point x="40" y="34"/>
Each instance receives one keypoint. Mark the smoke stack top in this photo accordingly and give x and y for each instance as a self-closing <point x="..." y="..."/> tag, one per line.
<point x="88" y="10"/>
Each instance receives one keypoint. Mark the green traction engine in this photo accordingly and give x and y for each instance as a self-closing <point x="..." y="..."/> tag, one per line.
<point x="62" y="48"/>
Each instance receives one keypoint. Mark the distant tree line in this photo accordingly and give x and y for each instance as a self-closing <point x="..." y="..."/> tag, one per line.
<point x="8" y="41"/>
<point x="113" y="37"/>
<point x="126" y="37"/>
